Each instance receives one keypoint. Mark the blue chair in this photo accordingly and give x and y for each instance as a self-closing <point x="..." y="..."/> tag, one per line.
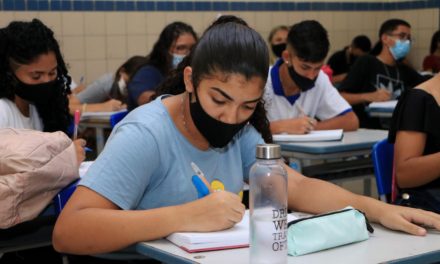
<point x="115" y="118"/>
<point x="383" y="155"/>
<point x="63" y="196"/>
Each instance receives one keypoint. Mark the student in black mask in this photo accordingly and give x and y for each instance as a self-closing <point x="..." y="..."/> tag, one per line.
<point x="299" y="95"/>
<point x="277" y="40"/>
<point x="140" y="188"/>
<point x="34" y="82"/>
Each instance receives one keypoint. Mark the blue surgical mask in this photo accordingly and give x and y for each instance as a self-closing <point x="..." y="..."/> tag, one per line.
<point x="400" y="49"/>
<point x="177" y="58"/>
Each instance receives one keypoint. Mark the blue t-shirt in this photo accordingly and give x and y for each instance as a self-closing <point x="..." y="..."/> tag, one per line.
<point x="146" y="78"/>
<point x="146" y="161"/>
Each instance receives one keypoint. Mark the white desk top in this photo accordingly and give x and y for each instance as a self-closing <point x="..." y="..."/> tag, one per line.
<point x="383" y="246"/>
<point x="362" y="139"/>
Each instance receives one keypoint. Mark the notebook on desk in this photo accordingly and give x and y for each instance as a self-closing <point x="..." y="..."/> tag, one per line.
<point x="235" y="237"/>
<point x="387" y="104"/>
<point x="317" y="135"/>
<point x="99" y="115"/>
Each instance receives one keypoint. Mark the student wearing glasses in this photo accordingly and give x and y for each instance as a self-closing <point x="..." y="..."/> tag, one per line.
<point x="382" y="77"/>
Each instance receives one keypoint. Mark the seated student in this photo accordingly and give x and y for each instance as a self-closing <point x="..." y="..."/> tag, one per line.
<point x="277" y="40"/>
<point x="341" y="61"/>
<point x="174" y="43"/>
<point x="432" y="61"/>
<point x="143" y="192"/>
<point x="34" y="80"/>
<point x="298" y="91"/>
<point x="415" y="132"/>
<point x="382" y="77"/>
<point x="112" y="86"/>
<point x="34" y="84"/>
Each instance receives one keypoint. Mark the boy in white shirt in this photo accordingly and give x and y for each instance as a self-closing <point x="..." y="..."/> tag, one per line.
<point x="298" y="94"/>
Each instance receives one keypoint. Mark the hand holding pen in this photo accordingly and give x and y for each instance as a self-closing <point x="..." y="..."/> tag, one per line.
<point x="218" y="211"/>
<point x="80" y="144"/>
<point x="202" y="185"/>
<point x="303" y="124"/>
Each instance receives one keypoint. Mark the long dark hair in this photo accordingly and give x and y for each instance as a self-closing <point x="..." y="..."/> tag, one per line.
<point x="435" y="40"/>
<point x="22" y="43"/>
<point x="229" y="48"/>
<point x="159" y="56"/>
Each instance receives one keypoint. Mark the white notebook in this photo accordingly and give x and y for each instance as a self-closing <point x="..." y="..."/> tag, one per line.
<point x="235" y="237"/>
<point x="316" y="135"/>
<point x="387" y="104"/>
<point x="99" y="115"/>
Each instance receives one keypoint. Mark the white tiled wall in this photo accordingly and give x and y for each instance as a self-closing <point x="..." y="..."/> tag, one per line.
<point x="94" y="43"/>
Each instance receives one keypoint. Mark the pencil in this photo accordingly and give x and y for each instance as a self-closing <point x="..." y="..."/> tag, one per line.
<point x="300" y="109"/>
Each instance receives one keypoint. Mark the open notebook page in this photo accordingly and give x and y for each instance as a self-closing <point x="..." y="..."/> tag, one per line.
<point x="316" y="135"/>
<point x="235" y="237"/>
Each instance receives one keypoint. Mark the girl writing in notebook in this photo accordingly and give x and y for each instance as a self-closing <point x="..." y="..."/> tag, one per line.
<point x="34" y="83"/>
<point x="140" y="186"/>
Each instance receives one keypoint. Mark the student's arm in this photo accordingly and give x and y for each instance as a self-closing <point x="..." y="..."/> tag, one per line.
<point x="347" y="121"/>
<point x="317" y="196"/>
<point x="108" y="106"/>
<point x="143" y="84"/>
<point x="91" y="224"/>
<point x="300" y="125"/>
<point x="412" y="168"/>
<point x="145" y="97"/>
<point x="339" y="78"/>
<point x="379" y="95"/>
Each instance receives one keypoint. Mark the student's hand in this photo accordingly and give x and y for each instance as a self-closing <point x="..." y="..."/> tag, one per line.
<point x="217" y="211"/>
<point x="408" y="219"/>
<point x="301" y="125"/>
<point x="379" y="95"/>
<point x="113" y="105"/>
<point x="80" y="152"/>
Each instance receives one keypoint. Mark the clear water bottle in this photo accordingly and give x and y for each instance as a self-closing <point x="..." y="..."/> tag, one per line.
<point x="268" y="207"/>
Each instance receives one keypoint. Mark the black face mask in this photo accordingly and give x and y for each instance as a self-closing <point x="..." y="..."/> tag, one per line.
<point x="35" y="93"/>
<point x="302" y="82"/>
<point x="278" y="49"/>
<point x="217" y="133"/>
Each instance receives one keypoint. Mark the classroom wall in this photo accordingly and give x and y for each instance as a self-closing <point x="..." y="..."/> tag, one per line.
<point x="97" y="36"/>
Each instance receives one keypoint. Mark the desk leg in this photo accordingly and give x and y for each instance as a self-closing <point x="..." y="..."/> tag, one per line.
<point x="99" y="139"/>
<point x="367" y="186"/>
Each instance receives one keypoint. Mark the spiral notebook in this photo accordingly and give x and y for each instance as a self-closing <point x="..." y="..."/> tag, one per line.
<point x="316" y="135"/>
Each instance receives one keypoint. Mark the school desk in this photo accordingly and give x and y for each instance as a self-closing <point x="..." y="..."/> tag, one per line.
<point x="98" y="121"/>
<point x="384" y="246"/>
<point x="336" y="159"/>
<point x="381" y="109"/>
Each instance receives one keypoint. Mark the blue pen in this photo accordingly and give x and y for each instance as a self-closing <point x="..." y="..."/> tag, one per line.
<point x="201" y="187"/>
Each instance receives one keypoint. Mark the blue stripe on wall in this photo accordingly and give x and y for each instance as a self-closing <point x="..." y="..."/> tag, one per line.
<point x="141" y="5"/>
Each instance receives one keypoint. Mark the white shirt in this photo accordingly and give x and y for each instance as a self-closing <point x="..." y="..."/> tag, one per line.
<point x="10" y="116"/>
<point x="322" y="101"/>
